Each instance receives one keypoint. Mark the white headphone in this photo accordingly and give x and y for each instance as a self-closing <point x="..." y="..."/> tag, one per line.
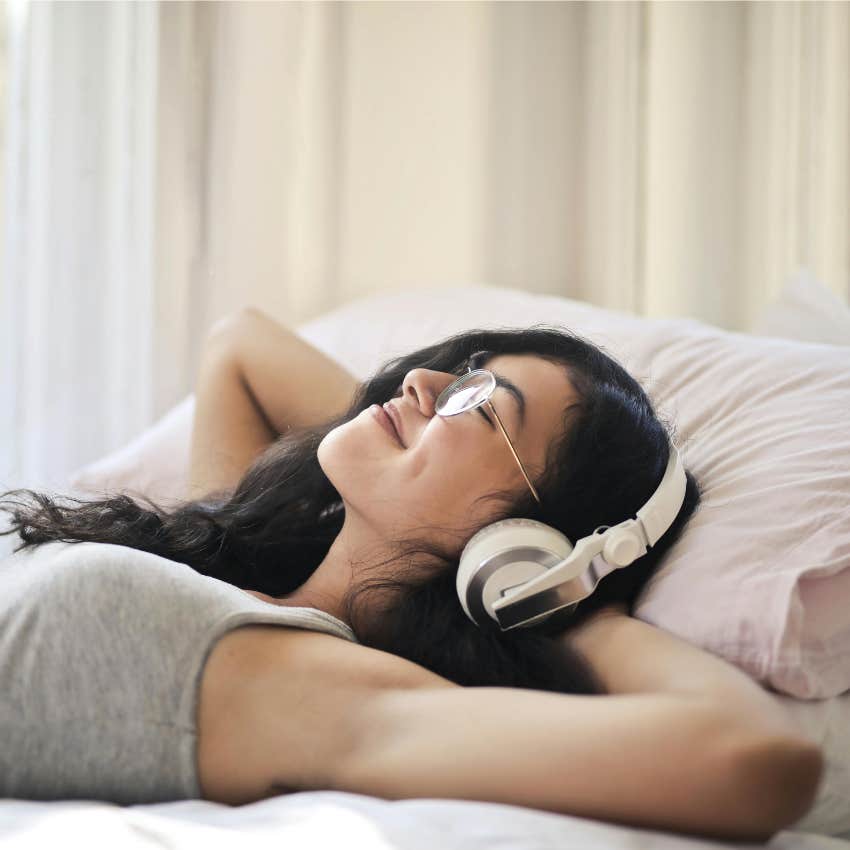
<point x="520" y="571"/>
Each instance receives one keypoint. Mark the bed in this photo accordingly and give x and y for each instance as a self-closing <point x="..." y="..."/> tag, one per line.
<point x="328" y="820"/>
<point x="799" y="650"/>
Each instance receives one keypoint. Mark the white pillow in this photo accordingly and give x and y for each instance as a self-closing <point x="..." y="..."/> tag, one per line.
<point x="761" y="572"/>
<point x="806" y="310"/>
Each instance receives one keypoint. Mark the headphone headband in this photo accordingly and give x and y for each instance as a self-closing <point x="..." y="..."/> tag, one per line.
<point x="663" y="506"/>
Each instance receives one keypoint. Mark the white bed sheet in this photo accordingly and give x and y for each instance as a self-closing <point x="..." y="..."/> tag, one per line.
<point x="334" y="820"/>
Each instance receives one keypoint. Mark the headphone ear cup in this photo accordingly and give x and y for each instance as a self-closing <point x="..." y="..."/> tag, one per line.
<point x="501" y="556"/>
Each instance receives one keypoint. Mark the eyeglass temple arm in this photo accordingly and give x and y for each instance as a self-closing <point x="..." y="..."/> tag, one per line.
<point x="513" y="451"/>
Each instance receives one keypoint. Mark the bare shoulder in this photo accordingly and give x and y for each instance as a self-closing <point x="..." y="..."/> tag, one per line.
<point x="274" y="703"/>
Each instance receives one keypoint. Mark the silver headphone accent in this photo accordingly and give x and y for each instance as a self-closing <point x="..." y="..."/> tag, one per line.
<point x="520" y="571"/>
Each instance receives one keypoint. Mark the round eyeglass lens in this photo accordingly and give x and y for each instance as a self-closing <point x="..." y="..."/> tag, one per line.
<point x="466" y="392"/>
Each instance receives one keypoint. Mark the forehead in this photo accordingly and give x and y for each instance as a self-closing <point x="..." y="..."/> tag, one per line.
<point x="547" y="390"/>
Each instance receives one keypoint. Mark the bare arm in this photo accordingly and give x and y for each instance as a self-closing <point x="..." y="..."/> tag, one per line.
<point x="256" y="379"/>
<point x="293" y="382"/>
<point x="660" y="761"/>
<point x="336" y="715"/>
<point x="631" y="656"/>
<point x="229" y="430"/>
<point x="684" y="741"/>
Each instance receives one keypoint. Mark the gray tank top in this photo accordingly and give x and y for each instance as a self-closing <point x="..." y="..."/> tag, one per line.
<point x="101" y="653"/>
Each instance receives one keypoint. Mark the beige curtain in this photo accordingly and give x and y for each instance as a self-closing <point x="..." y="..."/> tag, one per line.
<point x="663" y="158"/>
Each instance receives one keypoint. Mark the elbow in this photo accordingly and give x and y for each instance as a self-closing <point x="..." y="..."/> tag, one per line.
<point x="233" y="323"/>
<point x="780" y="778"/>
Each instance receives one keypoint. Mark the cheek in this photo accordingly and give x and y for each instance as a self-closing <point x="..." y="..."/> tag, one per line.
<point x="451" y="473"/>
<point x="443" y="473"/>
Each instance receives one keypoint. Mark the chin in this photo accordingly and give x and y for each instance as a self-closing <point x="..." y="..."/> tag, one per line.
<point x="341" y="454"/>
<point x="325" y="455"/>
<point x="330" y="440"/>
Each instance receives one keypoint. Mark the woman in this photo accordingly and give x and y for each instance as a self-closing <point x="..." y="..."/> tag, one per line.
<point x="310" y="508"/>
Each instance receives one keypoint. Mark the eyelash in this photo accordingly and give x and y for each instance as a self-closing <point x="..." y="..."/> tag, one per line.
<point x="486" y="415"/>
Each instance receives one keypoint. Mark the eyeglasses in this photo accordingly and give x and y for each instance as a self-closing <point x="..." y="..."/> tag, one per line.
<point x="470" y="391"/>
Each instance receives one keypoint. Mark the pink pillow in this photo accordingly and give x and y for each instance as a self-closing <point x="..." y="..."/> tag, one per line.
<point x="154" y="464"/>
<point x="762" y="575"/>
<point x="761" y="572"/>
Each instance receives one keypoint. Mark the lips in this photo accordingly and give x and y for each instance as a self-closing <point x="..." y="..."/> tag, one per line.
<point x="386" y="422"/>
<point x="395" y="418"/>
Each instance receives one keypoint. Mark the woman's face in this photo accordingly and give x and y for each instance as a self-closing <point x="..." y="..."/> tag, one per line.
<point x="443" y="464"/>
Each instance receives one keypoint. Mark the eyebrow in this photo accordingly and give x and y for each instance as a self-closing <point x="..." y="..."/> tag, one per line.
<point x="515" y="391"/>
<point x="479" y="360"/>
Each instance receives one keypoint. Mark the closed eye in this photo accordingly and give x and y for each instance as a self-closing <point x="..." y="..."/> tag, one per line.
<point x="484" y="414"/>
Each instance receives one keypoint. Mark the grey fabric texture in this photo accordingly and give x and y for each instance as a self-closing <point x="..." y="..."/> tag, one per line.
<point x="102" y="648"/>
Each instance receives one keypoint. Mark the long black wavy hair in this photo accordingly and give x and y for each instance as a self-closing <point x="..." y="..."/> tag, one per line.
<point x="276" y="526"/>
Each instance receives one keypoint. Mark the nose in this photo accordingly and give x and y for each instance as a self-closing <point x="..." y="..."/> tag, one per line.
<point x="423" y="386"/>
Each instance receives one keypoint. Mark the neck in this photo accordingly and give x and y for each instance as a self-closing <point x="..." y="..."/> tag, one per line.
<point x="326" y="587"/>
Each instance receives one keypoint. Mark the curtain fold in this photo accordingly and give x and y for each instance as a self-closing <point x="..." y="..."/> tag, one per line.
<point x="77" y="320"/>
<point x="661" y="158"/>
